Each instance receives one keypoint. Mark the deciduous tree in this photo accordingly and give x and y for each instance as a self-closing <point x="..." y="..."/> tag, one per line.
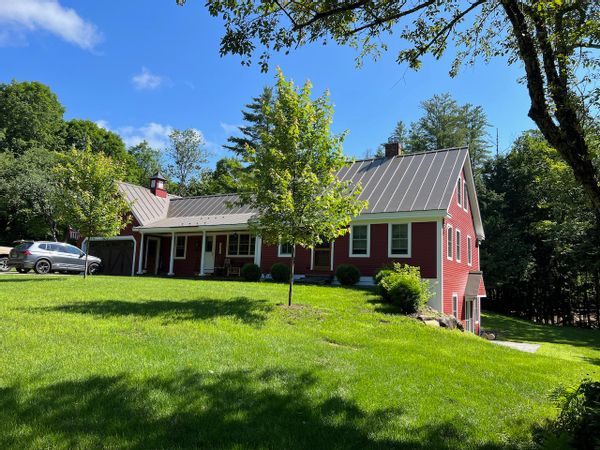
<point x="556" y="42"/>
<point x="186" y="154"/>
<point x="90" y="200"/>
<point x="293" y="185"/>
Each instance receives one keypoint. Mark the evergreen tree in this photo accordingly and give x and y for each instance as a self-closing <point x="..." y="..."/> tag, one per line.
<point x="255" y="124"/>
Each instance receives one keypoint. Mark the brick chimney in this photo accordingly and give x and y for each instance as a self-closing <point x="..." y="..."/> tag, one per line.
<point x="392" y="149"/>
<point x="157" y="185"/>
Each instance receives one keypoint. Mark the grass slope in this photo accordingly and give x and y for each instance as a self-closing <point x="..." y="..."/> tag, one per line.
<point x="163" y="363"/>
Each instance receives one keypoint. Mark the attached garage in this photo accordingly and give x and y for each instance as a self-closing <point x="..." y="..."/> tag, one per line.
<point x="117" y="254"/>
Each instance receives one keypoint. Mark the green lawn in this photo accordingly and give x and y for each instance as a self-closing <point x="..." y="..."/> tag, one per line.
<point x="166" y="363"/>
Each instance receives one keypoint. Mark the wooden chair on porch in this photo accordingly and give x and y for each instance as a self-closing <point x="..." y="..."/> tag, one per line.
<point x="231" y="270"/>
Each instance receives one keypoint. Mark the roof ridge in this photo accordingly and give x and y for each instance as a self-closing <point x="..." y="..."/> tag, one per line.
<point x="413" y="154"/>
<point x="230" y="194"/>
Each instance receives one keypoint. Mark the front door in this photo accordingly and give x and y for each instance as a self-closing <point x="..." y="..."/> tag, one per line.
<point x="152" y="250"/>
<point x="322" y="257"/>
<point x="209" y="255"/>
<point x="469" y="325"/>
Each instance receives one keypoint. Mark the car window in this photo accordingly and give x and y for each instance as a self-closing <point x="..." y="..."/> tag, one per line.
<point x="73" y="250"/>
<point x="55" y="247"/>
<point x="43" y="246"/>
<point x="24" y="246"/>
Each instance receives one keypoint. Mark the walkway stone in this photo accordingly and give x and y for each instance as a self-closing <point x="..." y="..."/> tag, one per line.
<point x="521" y="346"/>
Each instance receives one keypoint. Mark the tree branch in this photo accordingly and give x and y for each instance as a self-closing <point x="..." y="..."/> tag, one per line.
<point x="396" y="16"/>
<point x="331" y="12"/>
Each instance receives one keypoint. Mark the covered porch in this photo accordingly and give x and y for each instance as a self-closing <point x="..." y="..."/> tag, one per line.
<point x="195" y="251"/>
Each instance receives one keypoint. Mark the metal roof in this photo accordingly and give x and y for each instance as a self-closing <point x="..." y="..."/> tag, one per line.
<point x="412" y="182"/>
<point x="474" y="280"/>
<point x="145" y="206"/>
<point x="406" y="183"/>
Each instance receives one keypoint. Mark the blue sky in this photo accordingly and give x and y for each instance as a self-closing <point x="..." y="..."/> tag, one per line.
<point x="140" y="68"/>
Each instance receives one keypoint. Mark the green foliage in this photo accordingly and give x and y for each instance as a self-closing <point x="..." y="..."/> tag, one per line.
<point x="255" y="123"/>
<point x="147" y="160"/>
<point x="293" y="184"/>
<point x="30" y="116"/>
<point x="90" y="200"/>
<point x="187" y="154"/>
<point x="224" y="179"/>
<point x="251" y="272"/>
<point x="347" y="274"/>
<point x="280" y="273"/>
<point x="28" y="193"/>
<point x="380" y="275"/>
<point x="404" y="287"/>
<point x="578" y="422"/>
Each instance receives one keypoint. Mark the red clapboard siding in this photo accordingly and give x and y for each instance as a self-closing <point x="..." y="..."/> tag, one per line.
<point x="456" y="273"/>
<point x="423" y="252"/>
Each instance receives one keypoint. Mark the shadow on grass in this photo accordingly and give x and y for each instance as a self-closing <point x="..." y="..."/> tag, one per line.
<point x="523" y="330"/>
<point x="28" y="279"/>
<point x="246" y="310"/>
<point x="236" y="409"/>
<point x="384" y="306"/>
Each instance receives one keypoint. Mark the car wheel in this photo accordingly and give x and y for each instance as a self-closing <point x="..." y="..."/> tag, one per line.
<point x="94" y="269"/>
<point x="23" y="270"/>
<point x="42" y="267"/>
<point x="4" y="264"/>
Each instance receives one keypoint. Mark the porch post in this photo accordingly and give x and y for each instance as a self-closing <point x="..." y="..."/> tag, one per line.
<point x="140" y="267"/>
<point x="172" y="257"/>
<point x="203" y="252"/>
<point x="257" y="249"/>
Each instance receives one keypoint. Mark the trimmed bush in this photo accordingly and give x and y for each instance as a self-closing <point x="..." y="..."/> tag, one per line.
<point x="280" y="273"/>
<point x="381" y="273"/>
<point x="404" y="287"/>
<point x="347" y="274"/>
<point x="251" y="272"/>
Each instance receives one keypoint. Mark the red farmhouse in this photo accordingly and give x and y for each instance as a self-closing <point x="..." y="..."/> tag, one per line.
<point x="422" y="211"/>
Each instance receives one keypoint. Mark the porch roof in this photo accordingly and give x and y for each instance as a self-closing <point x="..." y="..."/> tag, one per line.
<point x="474" y="281"/>
<point x="199" y="221"/>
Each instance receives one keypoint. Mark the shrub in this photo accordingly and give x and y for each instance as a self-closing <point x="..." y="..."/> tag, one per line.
<point x="347" y="274"/>
<point x="384" y="271"/>
<point x="578" y="422"/>
<point x="251" y="272"/>
<point x="404" y="287"/>
<point x="280" y="273"/>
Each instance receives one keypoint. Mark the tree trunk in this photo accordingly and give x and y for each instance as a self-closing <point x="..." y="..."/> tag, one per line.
<point x="293" y="262"/>
<point x="87" y="252"/>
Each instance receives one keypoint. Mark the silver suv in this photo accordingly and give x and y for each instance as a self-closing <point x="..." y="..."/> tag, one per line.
<point x="46" y="257"/>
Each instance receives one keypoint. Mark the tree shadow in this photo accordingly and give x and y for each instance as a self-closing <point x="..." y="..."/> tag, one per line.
<point x="523" y="330"/>
<point x="28" y="279"/>
<point x="244" y="309"/>
<point x="235" y="409"/>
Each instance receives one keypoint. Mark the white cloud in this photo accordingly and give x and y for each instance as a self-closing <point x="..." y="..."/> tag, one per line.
<point x="22" y="16"/>
<point x="103" y="124"/>
<point x="230" y="129"/>
<point x="147" y="80"/>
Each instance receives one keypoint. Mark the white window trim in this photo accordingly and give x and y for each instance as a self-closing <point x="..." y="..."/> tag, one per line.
<point x="455" y="296"/>
<point x="449" y="232"/>
<point x="457" y="242"/>
<point x="239" y="256"/>
<point x="280" y="254"/>
<point x="351" y="250"/>
<point x="465" y="197"/>
<point x="469" y="250"/>
<point x="184" y="247"/>
<point x="393" y="255"/>
<point x="459" y="189"/>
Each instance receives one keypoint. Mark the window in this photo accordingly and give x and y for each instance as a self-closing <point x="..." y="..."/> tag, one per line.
<point x="455" y="306"/>
<point x="241" y="244"/>
<point x="209" y="244"/>
<point x="285" y="249"/>
<point x="449" y="242"/>
<point x="459" y="192"/>
<point x="74" y="250"/>
<point x="180" y="247"/>
<point x="399" y="243"/>
<point x="359" y="240"/>
<point x="469" y="251"/>
<point x="466" y="197"/>
<point x="457" y="245"/>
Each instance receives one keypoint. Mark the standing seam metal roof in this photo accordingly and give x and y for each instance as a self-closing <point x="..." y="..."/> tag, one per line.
<point x="412" y="182"/>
